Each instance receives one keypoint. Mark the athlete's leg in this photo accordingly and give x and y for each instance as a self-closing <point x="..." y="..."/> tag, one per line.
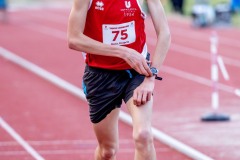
<point x="106" y="132"/>
<point x="142" y="134"/>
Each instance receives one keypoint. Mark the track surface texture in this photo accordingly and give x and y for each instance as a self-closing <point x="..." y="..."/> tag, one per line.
<point x="55" y="124"/>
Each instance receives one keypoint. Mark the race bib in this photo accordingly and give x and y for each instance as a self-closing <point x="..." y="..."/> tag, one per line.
<point x="119" y="34"/>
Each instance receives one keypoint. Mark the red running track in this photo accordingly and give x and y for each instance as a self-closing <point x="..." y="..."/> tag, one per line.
<point x="52" y="121"/>
<point x="56" y="123"/>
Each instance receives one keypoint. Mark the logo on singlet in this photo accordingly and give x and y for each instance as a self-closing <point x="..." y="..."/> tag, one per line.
<point x="99" y="5"/>
<point x="127" y="4"/>
<point x="129" y="10"/>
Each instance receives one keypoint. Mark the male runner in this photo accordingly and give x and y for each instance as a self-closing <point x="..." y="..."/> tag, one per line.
<point x="111" y="35"/>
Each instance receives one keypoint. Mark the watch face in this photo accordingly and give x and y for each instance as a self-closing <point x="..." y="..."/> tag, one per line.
<point x="154" y="71"/>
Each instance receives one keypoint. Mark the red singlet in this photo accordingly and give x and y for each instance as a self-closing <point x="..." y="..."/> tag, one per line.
<point x="115" y="22"/>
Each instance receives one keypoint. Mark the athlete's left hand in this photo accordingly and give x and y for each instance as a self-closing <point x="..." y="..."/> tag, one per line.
<point x="144" y="91"/>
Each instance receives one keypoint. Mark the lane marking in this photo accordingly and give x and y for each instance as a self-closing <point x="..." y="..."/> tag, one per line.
<point x="73" y="151"/>
<point x="42" y="73"/>
<point x="176" y="30"/>
<point x="151" y="41"/>
<point x="159" y="135"/>
<point x="237" y="92"/>
<point x="223" y="68"/>
<point x="61" y="142"/>
<point x="179" y="48"/>
<point x="184" y="50"/>
<point x="198" y="79"/>
<point x="20" y="140"/>
<point x="199" y="54"/>
<point x="203" y="36"/>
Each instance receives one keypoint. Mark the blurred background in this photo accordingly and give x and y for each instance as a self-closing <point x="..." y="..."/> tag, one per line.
<point x="203" y="12"/>
<point x="214" y="10"/>
<point x="43" y="113"/>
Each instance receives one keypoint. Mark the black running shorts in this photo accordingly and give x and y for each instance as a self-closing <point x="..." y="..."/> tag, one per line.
<point x="105" y="89"/>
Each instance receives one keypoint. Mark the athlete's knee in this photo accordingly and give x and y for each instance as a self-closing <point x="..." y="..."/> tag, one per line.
<point x="143" y="138"/>
<point x="109" y="152"/>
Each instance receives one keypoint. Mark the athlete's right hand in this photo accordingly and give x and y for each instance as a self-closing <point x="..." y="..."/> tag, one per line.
<point x="138" y="62"/>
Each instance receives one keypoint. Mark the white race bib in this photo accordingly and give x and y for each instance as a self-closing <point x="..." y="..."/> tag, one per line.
<point x="119" y="34"/>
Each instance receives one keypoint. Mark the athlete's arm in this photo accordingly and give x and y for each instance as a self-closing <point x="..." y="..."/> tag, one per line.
<point x="162" y="30"/>
<point x="80" y="42"/>
<point x="143" y="93"/>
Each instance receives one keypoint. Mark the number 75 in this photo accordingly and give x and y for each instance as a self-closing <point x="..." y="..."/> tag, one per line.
<point x="122" y="33"/>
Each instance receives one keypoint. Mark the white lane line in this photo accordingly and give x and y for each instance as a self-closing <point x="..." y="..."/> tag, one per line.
<point x="223" y="68"/>
<point x="237" y="92"/>
<point x="198" y="79"/>
<point x="47" y="30"/>
<point x="61" y="142"/>
<point x="41" y="72"/>
<point x="170" y="141"/>
<point x="20" y="140"/>
<point x="74" y="151"/>
<point x="180" y="49"/>
<point x="197" y="36"/>
<point x="159" y="135"/>
<point x="50" y="152"/>
<point x="176" y="31"/>
<point x="199" y="54"/>
<point x="151" y="41"/>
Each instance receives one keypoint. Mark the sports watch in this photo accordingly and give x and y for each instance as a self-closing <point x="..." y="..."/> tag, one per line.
<point x="155" y="72"/>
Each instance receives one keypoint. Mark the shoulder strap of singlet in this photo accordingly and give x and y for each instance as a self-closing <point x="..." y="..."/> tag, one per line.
<point x="90" y="4"/>
<point x="144" y="15"/>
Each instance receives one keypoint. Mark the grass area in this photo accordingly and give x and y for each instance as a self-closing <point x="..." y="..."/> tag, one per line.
<point x="188" y="7"/>
<point x="236" y="20"/>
